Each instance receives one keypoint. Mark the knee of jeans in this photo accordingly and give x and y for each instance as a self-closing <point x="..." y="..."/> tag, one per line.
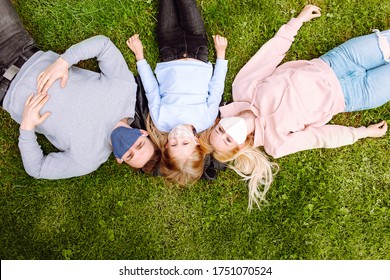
<point x="383" y="45"/>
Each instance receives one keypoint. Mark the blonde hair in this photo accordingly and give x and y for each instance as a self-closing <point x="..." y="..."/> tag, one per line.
<point x="175" y="170"/>
<point x="249" y="163"/>
<point x="182" y="173"/>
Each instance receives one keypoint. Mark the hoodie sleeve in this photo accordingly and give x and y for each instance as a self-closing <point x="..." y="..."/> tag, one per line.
<point x="265" y="61"/>
<point x="216" y="87"/>
<point x="152" y="90"/>
<point x="327" y="136"/>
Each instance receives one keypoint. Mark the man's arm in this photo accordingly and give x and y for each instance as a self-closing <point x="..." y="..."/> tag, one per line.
<point x="52" y="166"/>
<point x="111" y="62"/>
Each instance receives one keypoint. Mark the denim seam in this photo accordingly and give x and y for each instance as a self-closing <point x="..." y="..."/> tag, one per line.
<point x="383" y="45"/>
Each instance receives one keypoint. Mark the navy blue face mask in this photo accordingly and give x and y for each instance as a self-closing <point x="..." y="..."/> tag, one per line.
<point x="123" y="138"/>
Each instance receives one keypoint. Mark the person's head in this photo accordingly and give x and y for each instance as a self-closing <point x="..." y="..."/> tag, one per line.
<point x="182" y="142"/>
<point x="225" y="139"/>
<point x="132" y="146"/>
<point x="182" y="172"/>
<point x="228" y="135"/>
<point x="182" y="157"/>
<point x="229" y="143"/>
<point x="176" y="170"/>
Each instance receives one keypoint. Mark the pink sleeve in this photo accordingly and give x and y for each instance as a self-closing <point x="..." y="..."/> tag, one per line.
<point x="264" y="62"/>
<point x="328" y="136"/>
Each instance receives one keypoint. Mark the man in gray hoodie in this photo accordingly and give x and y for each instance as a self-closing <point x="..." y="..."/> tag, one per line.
<point x="84" y="114"/>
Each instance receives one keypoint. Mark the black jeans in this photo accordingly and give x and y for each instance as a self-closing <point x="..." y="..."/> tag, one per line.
<point x="16" y="45"/>
<point x="180" y="31"/>
<point x="14" y="39"/>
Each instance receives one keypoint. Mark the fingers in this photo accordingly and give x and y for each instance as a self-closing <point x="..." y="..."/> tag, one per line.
<point x="316" y="12"/>
<point x="63" y="81"/>
<point x="220" y="44"/>
<point x="29" y="99"/>
<point x="43" y="100"/>
<point x="219" y="40"/>
<point x="44" y="117"/>
<point x="135" y="45"/>
<point x="309" y="12"/>
<point x="56" y="70"/>
<point x="44" y="82"/>
<point x="41" y="81"/>
<point x="382" y="125"/>
<point x="379" y="125"/>
<point x="378" y="129"/>
<point x="382" y="128"/>
<point x="133" y="39"/>
<point x="313" y="8"/>
<point x="37" y="101"/>
<point x="31" y="117"/>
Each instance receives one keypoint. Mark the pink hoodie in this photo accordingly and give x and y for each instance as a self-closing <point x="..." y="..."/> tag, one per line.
<point x="292" y="102"/>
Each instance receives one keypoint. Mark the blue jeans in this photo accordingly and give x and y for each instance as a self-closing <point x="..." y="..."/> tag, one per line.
<point x="363" y="71"/>
<point x="180" y="31"/>
<point x="14" y="39"/>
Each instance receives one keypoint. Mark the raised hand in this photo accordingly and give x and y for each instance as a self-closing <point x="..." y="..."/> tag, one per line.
<point x="309" y="12"/>
<point x="220" y="44"/>
<point x="135" y="44"/>
<point x="377" y="130"/>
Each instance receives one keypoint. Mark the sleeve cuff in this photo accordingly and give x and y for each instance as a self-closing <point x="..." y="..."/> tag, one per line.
<point x="361" y="132"/>
<point x="27" y="134"/>
<point x="67" y="56"/>
<point x="222" y="62"/>
<point x="295" y="23"/>
<point x="141" y="63"/>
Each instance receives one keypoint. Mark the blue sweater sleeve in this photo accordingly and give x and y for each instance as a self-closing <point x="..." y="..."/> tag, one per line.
<point x="216" y="86"/>
<point x="152" y="89"/>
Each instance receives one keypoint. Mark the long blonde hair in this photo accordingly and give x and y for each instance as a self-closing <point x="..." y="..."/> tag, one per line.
<point x="249" y="163"/>
<point x="173" y="170"/>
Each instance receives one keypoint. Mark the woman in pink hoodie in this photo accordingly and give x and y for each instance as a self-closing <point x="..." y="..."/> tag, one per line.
<point x="286" y="108"/>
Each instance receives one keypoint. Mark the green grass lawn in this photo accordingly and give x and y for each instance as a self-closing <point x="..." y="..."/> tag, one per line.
<point x="323" y="204"/>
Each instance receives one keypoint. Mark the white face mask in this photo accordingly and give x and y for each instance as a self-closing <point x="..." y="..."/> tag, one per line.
<point x="235" y="127"/>
<point x="181" y="131"/>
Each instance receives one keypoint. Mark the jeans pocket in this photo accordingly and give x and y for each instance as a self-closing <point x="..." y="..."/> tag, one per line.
<point x="167" y="54"/>
<point x="202" y="53"/>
